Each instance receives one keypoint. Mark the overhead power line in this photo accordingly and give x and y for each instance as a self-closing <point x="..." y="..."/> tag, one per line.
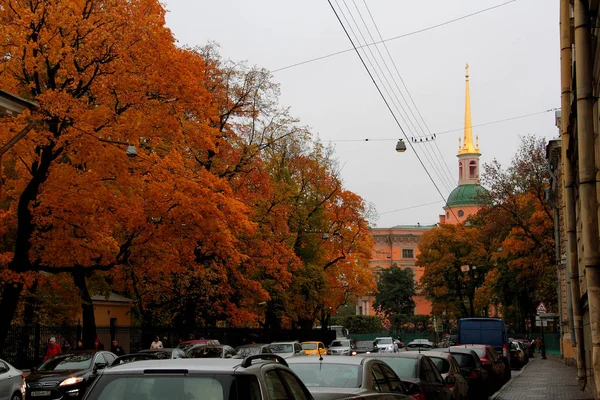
<point x="395" y="37"/>
<point x="416" y="140"/>
<point x="411" y="207"/>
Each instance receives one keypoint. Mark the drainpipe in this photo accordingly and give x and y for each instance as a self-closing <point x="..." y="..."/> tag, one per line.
<point x="587" y="176"/>
<point x="569" y="187"/>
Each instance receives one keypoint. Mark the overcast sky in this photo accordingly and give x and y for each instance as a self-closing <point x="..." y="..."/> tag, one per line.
<point x="512" y="51"/>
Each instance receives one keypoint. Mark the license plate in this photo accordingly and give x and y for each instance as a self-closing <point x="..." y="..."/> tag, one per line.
<point x="40" y="393"/>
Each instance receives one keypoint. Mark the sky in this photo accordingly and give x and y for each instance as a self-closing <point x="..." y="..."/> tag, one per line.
<point x="512" y="48"/>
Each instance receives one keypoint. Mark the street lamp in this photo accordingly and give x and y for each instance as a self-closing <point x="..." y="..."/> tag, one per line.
<point x="400" y="146"/>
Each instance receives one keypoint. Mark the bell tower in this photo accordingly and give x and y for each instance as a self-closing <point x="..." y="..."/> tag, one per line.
<point x="468" y="153"/>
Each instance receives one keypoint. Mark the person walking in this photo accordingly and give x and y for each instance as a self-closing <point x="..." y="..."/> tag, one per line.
<point x="79" y="345"/>
<point x="66" y="347"/>
<point x="52" y="349"/>
<point x="157" y="344"/>
<point x="116" y="348"/>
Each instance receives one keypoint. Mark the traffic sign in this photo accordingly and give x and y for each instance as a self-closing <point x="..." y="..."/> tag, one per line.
<point x="541" y="308"/>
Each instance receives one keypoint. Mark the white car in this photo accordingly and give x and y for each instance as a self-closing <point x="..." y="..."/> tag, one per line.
<point x="386" y="345"/>
<point x="12" y="382"/>
<point x="287" y="349"/>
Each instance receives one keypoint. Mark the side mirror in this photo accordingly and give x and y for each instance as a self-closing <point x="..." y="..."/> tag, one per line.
<point x="98" y="366"/>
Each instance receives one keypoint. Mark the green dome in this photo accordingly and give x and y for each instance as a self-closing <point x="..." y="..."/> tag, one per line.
<point x="466" y="195"/>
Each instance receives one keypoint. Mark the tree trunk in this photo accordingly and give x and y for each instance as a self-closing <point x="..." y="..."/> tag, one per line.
<point x="87" y="308"/>
<point x="8" y="308"/>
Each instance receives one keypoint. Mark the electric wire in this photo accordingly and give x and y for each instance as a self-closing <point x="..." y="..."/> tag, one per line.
<point x="448" y="131"/>
<point x="439" y="153"/>
<point x="371" y="59"/>
<point x="411" y="207"/>
<point x="389" y="108"/>
<point x="396" y="37"/>
<point x="444" y="174"/>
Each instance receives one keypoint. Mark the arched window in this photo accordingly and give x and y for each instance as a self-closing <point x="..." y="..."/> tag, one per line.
<point x="460" y="170"/>
<point x="473" y="169"/>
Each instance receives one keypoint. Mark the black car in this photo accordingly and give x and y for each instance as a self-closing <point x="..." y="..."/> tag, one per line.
<point x="66" y="375"/>
<point x="471" y="368"/>
<point x="419" y="374"/>
<point x="366" y="347"/>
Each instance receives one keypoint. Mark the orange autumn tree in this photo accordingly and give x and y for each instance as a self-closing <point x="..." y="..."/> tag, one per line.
<point x="78" y="204"/>
<point x="521" y="220"/>
<point x="456" y="262"/>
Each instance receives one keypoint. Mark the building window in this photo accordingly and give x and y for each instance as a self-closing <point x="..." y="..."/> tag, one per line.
<point x="408" y="253"/>
<point x="473" y="169"/>
<point x="461" y="213"/>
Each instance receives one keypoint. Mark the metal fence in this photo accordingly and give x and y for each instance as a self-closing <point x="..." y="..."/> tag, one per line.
<point x="25" y="346"/>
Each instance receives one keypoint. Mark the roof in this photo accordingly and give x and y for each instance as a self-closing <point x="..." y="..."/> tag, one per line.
<point x="466" y="195"/>
<point x="190" y="364"/>
<point x="404" y="354"/>
<point x="345" y="360"/>
<point x="112" y="297"/>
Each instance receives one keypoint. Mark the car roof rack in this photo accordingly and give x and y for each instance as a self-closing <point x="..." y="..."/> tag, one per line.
<point x="265" y="356"/>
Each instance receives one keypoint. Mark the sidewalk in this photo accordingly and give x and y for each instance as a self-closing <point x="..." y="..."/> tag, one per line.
<point x="544" y="379"/>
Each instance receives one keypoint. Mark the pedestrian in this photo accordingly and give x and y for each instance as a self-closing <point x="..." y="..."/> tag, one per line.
<point x="157" y="344"/>
<point x="191" y="337"/>
<point x="66" y="347"/>
<point x="52" y="349"/>
<point x="165" y="342"/>
<point x="79" y="345"/>
<point x="116" y="348"/>
<point x="538" y="344"/>
<point x="98" y="345"/>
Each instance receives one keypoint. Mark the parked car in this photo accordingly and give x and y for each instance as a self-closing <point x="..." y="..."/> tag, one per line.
<point x="12" y="382"/>
<point x="212" y="351"/>
<point x="529" y="347"/>
<point x="287" y="349"/>
<point x="188" y="344"/>
<point x="420" y="344"/>
<point x="418" y="373"/>
<point x="366" y="347"/>
<point x="258" y="377"/>
<point x="127" y="358"/>
<point x="253" y="349"/>
<point x="386" y="345"/>
<point x="450" y="371"/>
<point x="342" y="347"/>
<point x="472" y="369"/>
<point x="314" y="348"/>
<point x="66" y="375"/>
<point x="166" y="353"/>
<point x="492" y="363"/>
<point x="518" y="354"/>
<point x="348" y="377"/>
<point x="491" y="331"/>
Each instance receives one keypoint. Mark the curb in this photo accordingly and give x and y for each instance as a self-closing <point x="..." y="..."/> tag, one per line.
<point x="507" y="384"/>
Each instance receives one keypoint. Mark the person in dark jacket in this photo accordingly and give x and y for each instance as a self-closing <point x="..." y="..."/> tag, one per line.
<point x="116" y="348"/>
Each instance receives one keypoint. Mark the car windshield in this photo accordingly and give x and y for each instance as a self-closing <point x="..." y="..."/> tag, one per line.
<point x="309" y="346"/>
<point x="172" y="387"/>
<point x="480" y="352"/>
<point x="67" y="361"/>
<point x="248" y="351"/>
<point x="133" y="357"/>
<point x="281" y="348"/>
<point x="442" y="364"/>
<point x="384" y="341"/>
<point x="340" y="343"/>
<point x="206" y="352"/>
<point x="405" y="368"/>
<point x="327" y="375"/>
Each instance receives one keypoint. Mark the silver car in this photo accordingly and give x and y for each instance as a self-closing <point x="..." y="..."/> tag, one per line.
<point x="257" y="377"/>
<point x="12" y="382"/>
<point x="329" y="378"/>
<point x="341" y="347"/>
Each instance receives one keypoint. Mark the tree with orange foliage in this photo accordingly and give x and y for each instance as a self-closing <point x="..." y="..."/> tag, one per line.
<point x="105" y="74"/>
<point x="520" y="220"/>
<point x="456" y="263"/>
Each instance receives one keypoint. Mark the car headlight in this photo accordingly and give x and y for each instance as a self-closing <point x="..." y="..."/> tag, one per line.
<point x="71" y="381"/>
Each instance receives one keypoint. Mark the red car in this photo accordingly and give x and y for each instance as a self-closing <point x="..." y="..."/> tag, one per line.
<point x="492" y="363"/>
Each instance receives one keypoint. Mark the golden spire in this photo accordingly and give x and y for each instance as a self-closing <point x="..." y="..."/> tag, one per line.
<point x="467" y="146"/>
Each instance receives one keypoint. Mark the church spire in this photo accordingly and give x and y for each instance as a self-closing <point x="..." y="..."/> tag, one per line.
<point x="467" y="146"/>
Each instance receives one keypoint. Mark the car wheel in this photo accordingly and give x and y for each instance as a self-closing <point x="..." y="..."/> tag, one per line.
<point x="16" y="396"/>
